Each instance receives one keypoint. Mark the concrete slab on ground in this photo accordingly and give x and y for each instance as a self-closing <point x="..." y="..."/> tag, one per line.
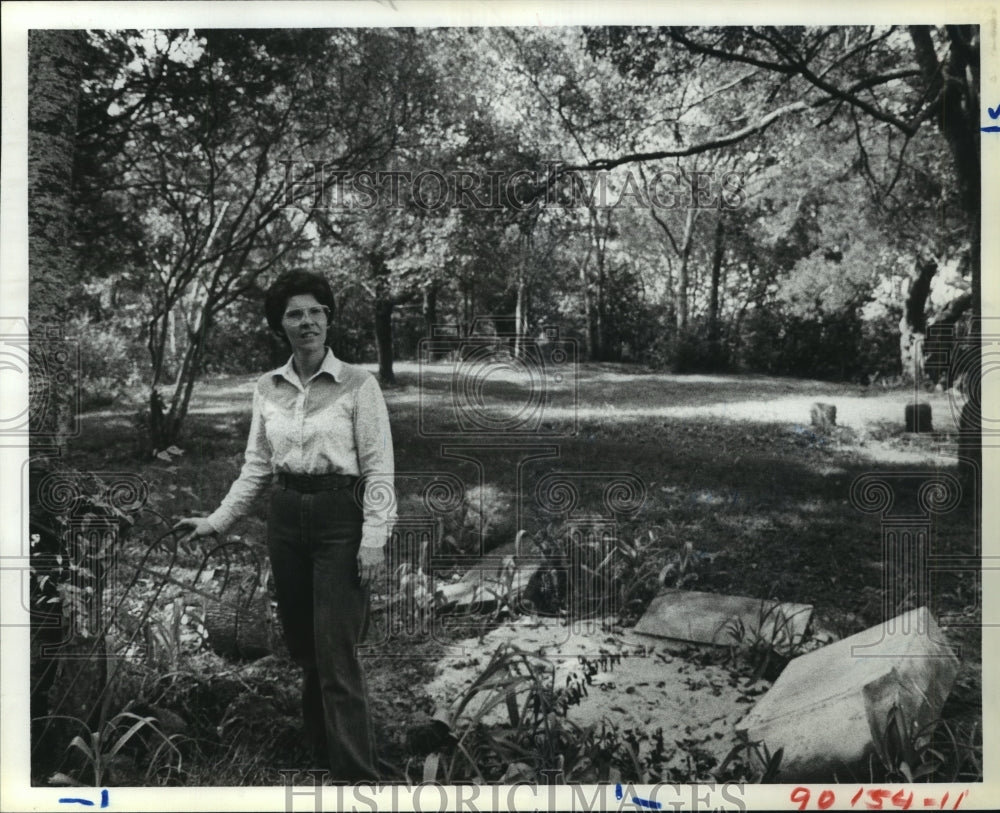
<point x="828" y="709"/>
<point x="645" y="688"/>
<point x="710" y="618"/>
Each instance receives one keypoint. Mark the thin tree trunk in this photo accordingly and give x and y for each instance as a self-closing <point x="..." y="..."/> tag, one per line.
<point x="599" y="234"/>
<point x="520" y="315"/>
<point x="428" y="310"/>
<point x="182" y="395"/>
<point x="714" y="293"/>
<point x="682" y="275"/>
<point x="383" y="339"/>
<point x="599" y="311"/>
<point x="521" y="300"/>
<point x="588" y="326"/>
<point x="384" y="305"/>
<point x="171" y="328"/>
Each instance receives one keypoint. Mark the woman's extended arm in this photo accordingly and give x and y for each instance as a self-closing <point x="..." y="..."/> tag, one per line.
<point x="254" y="478"/>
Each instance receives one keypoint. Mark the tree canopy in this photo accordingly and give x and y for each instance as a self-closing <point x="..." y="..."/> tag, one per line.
<point x="793" y="200"/>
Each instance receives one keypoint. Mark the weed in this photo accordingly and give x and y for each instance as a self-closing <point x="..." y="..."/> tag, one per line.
<point x="101" y="747"/>
<point x="584" y="576"/>
<point x="752" y="762"/>
<point x="769" y="642"/>
<point x="908" y="752"/>
<point x="513" y="723"/>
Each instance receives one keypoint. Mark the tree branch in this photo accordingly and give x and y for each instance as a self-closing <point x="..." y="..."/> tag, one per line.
<point x="793" y="68"/>
<point x="705" y="146"/>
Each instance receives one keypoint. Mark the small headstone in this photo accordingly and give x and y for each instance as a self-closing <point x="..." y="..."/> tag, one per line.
<point x="828" y="709"/>
<point x="823" y="416"/>
<point x="918" y="417"/>
<point x="711" y="618"/>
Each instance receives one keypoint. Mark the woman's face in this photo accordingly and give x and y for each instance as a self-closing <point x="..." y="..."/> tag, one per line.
<point x="305" y="322"/>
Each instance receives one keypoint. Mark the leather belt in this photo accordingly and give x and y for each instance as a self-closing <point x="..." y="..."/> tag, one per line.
<point x="314" y="483"/>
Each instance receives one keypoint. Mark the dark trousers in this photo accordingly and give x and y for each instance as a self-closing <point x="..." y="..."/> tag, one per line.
<point x="313" y="542"/>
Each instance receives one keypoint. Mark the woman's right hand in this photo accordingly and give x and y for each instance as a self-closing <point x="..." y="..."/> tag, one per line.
<point x="199" y="526"/>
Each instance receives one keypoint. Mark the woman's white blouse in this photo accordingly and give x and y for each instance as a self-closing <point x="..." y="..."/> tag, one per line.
<point x="335" y="423"/>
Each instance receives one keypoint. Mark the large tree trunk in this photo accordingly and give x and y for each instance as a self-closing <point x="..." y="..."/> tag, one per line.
<point x="954" y="86"/>
<point x="54" y="69"/>
<point x="913" y="324"/>
<point x="945" y="333"/>
<point x="956" y="105"/>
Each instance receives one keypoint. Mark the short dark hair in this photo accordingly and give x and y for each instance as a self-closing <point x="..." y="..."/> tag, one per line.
<point x="294" y="283"/>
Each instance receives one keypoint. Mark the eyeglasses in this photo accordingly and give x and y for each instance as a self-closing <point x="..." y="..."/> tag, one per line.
<point x="297" y="316"/>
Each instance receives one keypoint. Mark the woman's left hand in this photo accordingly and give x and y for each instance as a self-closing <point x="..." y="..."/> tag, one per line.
<point x="370" y="561"/>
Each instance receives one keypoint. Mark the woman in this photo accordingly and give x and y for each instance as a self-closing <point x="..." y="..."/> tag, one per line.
<point x="320" y="429"/>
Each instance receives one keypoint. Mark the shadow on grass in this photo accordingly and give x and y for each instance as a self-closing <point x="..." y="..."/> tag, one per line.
<point x="774" y="497"/>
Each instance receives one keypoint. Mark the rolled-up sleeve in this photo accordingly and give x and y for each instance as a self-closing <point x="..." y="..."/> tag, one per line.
<point x="255" y="475"/>
<point x="373" y="439"/>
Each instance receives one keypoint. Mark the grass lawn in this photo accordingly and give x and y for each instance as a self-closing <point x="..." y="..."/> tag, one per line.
<point x="727" y="463"/>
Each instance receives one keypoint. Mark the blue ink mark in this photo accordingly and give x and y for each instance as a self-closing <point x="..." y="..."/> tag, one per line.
<point x="637" y="800"/>
<point x="87" y="802"/>
<point x="994" y="112"/>
<point x="993" y="129"/>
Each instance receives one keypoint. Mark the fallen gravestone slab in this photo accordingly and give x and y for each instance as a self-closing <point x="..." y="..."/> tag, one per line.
<point x="485" y="584"/>
<point x="829" y="709"/>
<point x="501" y="577"/>
<point x="710" y="618"/>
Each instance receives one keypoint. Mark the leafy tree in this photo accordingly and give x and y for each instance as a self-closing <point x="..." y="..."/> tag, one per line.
<point x="840" y="78"/>
<point x="224" y="133"/>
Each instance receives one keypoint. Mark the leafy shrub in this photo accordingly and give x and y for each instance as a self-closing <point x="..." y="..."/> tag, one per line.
<point x="839" y="346"/>
<point x="109" y="362"/>
<point x="694" y="352"/>
<point x="585" y="577"/>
